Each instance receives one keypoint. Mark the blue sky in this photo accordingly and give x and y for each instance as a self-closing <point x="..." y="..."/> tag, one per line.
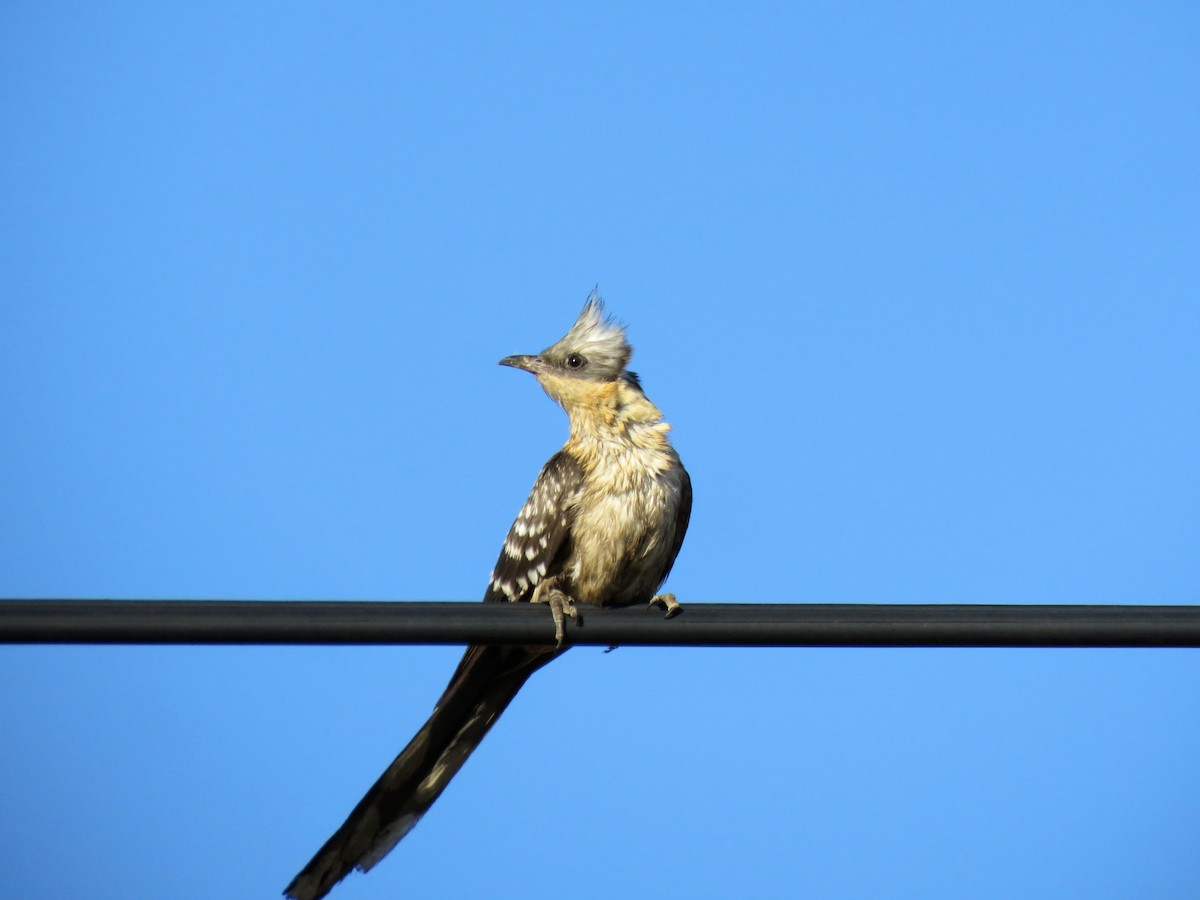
<point x="916" y="286"/>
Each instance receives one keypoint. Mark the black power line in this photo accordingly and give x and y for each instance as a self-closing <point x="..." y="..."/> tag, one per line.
<point x="700" y="624"/>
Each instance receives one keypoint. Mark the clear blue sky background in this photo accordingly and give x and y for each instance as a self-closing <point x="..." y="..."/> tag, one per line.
<point x="916" y="286"/>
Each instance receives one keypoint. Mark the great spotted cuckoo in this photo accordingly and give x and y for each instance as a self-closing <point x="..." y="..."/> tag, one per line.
<point x="602" y="527"/>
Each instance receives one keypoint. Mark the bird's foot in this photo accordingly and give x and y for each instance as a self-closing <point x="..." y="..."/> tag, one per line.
<point x="561" y="608"/>
<point x="667" y="602"/>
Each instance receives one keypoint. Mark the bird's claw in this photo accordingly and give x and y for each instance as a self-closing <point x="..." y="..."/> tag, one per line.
<point x="667" y="602"/>
<point x="561" y="608"/>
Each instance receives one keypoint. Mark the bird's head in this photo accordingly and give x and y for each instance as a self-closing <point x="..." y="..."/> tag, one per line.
<point x="586" y="363"/>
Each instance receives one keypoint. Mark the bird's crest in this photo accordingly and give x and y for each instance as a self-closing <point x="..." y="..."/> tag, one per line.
<point x="598" y="338"/>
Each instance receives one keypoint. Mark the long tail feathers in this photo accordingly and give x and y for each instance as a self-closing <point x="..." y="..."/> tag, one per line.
<point x="483" y="685"/>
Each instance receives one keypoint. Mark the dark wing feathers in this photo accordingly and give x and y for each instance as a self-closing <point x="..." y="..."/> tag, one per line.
<point x="682" y="516"/>
<point x="539" y="538"/>
<point x="482" y="686"/>
<point x="484" y="683"/>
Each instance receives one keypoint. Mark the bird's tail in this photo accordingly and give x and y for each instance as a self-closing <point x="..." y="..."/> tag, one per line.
<point x="483" y="685"/>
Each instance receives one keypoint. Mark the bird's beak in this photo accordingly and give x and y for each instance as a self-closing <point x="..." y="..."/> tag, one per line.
<point x="534" y="364"/>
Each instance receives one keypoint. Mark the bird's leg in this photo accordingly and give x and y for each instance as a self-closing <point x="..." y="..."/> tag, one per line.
<point x="561" y="606"/>
<point x="667" y="602"/>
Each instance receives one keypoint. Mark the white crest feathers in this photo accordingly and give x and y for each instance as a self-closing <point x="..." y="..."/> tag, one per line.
<point x="598" y="338"/>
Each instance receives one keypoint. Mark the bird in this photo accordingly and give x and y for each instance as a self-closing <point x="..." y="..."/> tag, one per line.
<point x="602" y="526"/>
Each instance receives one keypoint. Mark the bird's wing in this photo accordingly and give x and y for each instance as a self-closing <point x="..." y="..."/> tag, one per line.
<point x="486" y="680"/>
<point x="539" y="540"/>
<point x="683" y="515"/>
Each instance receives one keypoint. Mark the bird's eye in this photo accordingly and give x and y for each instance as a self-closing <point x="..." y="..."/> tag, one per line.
<point x="575" y="361"/>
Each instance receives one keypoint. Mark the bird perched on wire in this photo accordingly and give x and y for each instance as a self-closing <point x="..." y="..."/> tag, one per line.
<point x="601" y="527"/>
